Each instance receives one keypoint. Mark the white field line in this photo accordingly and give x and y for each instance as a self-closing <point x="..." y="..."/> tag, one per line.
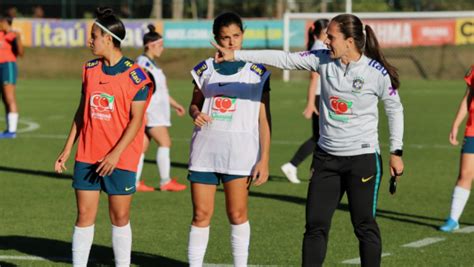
<point x="36" y="258"/>
<point x="357" y="260"/>
<point x="465" y="230"/>
<point x="32" y="258"/>
<point x="274" y="142"/>
<point x="231" y="265"/>
<point x="424" y="242"/>
<point x="30" y="125"/>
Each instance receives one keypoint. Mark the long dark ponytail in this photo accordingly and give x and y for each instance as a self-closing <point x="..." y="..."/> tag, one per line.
<point x="351" y="26"/>
<point x="315" y="31"/>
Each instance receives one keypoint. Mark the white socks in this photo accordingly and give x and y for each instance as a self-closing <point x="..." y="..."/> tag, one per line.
<point x="198" y="238"/>
<point x="164" y="164"/>
<point x="122" y="244"/>
<point x="460" y="197"/>
<point x="12" y="121"/>
<point x="81" y="245"/>
<point x="240" y="240"/>
<point x="140" y="168"/>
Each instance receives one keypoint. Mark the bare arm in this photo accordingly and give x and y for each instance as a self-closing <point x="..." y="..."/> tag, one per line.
<point x="109" y="162"/>
<point x="261" y="171"/>
<point x="200" y="119"/>
<point x="311" y="97"/>
<point x="19" y="45"/>
<point x="60" y="164"/>
<point x="177" y="106"/>
<point x="460" y="116"/>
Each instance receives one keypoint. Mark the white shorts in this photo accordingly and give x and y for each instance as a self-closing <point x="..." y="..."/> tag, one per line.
<point x="158" y="112"/>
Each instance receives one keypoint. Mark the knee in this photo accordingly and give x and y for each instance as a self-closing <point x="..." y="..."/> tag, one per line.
<point x="85" y="217"/>
<point x="202" y="217"/>
<point x="120" y="218"/>
<point x="366" y="227"/>
<point x="466" y="175"/>
<point x="237" y="216"/>
<point x="317" y="225"/>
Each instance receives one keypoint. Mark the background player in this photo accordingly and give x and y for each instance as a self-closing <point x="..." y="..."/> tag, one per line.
<point x="158" y="115"/>
<point x="466" y="168"/>
<point x="10" y="48"/>
<point x="316" y="37"/>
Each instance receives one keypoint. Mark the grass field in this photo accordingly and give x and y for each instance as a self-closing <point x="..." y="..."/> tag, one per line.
<point x="37" y="207"/>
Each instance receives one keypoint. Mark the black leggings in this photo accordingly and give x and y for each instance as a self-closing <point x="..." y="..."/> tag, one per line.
<point x="309" y="145"/>
<point x="359" y="177"/>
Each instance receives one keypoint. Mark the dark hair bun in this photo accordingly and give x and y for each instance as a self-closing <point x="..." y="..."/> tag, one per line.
<point x="151" y="28"/>
<point x="104" y="13"/>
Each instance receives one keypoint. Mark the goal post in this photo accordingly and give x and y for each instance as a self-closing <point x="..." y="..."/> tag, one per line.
<point x="288" y="17"/>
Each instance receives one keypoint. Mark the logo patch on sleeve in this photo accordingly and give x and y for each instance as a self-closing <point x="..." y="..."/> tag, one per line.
<point x="258" y="69"/>
<point x="92" y="63"/>
<point x="375" y="64"/>
<point x="128" y="63"/>
<point x="200" y="68"/>
<point x="137" y="76"/>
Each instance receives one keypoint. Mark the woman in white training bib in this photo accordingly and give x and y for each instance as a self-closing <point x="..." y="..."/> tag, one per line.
<point x="230" y="142"/>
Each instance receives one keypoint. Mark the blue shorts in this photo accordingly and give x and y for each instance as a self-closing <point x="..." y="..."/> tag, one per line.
<point x="8" y="73"/>
<point x="120" y="182"/>
<point x="212" y="177"/>
<point x="468" y="145"/>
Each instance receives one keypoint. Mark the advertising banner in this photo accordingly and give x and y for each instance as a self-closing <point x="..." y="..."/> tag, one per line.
<point x="258" y="33"/>
<point x="465" y="31"/>
<point x="24" y="28"/>
<point x="396" y="33"/>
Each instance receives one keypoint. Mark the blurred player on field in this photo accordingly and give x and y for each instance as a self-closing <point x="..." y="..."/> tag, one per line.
<point x="158" y="115"/>
<point x="10" y="48"/>
<point x="466" y="169"/>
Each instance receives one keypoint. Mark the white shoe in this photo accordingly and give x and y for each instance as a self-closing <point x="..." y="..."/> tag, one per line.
<point x="290" y="172"/>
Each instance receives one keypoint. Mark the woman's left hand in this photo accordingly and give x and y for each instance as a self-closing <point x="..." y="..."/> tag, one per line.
<point x="180" y="110"/>
<point x="260" y="173"/>
<point x="107" y="164"/>
<point x="396" y="166"/>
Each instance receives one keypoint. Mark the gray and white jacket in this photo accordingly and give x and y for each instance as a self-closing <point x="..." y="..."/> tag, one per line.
<point x="348" y="120"/>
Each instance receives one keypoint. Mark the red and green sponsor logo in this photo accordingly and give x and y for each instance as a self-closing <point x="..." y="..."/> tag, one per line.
<point x="223" y="107"/>
<point x="340" y="108"/>
<point x="102" y="105"/>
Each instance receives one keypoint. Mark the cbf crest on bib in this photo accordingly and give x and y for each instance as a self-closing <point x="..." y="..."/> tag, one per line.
<point x="357" y="84"/>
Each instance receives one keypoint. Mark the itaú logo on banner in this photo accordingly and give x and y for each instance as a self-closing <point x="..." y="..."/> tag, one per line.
<point x="101" y="105"/>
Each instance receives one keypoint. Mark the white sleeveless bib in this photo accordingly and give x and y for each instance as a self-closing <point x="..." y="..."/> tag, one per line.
<point x="230" y="144"/>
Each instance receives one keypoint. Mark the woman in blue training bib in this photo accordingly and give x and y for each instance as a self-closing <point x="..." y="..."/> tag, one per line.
<point x="230" y="142"/>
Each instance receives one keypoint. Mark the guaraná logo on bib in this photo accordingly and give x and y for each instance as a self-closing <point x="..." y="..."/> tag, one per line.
<point x="223" y="107"/>
<point x="102" y="105"/>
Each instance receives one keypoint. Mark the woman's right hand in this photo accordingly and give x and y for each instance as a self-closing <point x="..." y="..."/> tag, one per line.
<point x="453" y="136"/>
<point x="201" y="119"/>
<point x="223" y="54"/>
<point x="60" y="164"/>
<point x="309" y="110"/>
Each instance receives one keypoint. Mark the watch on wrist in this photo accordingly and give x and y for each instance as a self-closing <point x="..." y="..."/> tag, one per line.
<point x="397" y="152"/>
